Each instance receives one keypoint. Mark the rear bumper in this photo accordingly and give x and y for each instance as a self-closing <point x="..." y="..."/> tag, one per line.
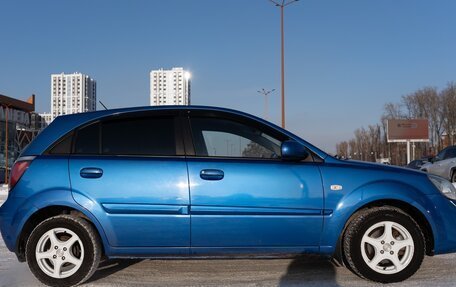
<point x="13" y="214"/>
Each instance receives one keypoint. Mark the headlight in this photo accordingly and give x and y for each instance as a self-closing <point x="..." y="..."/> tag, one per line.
<point x="445" y="187"/>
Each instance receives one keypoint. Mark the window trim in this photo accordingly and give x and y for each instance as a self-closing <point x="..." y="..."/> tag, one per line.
<point x="184" y="140"/>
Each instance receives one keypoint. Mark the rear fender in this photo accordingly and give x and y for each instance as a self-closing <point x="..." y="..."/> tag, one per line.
<point x="53" y="197"/>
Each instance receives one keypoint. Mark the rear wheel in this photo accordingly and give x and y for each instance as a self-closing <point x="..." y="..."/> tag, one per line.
<point x="63" y="251"/>
<point x="384" y="244"/>
<point x="453" y="176"/>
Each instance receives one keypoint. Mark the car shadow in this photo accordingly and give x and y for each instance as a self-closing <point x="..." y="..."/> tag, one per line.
<point x="111" y="266"/>
<point x="310" y="270"/>
<point x="305" y="270"/>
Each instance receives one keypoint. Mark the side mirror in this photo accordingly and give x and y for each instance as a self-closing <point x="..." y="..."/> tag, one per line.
<point x="293" y="151"/>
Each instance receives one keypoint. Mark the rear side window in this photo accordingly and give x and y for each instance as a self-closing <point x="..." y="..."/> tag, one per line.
<point x="88" y="140"/>
<point x="139" y="136"/>
<point x="63" y="146"/>
<point x="152" y="136"/>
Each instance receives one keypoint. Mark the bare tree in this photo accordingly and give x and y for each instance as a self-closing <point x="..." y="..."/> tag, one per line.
<point x="448" y="96"/>
<point x="438" y="108"/>
<point x="353" y="148"/>
<point x="393" y="111"/>
<point x="427" y="104"/>
<point x="342" y="149"/>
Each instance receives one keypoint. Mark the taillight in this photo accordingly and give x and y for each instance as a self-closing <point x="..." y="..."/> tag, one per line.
<point x="19" y="167"/>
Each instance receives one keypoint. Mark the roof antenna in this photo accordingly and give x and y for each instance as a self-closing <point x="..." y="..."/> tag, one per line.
<point x="103" y="105"/>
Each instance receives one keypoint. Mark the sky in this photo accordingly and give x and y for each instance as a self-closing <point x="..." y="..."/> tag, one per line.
<point x="344" y="59"/>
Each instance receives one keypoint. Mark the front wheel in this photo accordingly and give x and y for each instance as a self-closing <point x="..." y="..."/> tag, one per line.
<point x="453" y="176"/>
<point x="384" y="244"/>
<point x="63" y="251"/>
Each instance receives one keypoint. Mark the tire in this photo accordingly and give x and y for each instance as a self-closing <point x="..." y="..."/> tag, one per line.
<point x="453" y="176"/>
<point x="384" y="244"/>
<point x="68" y="251"/>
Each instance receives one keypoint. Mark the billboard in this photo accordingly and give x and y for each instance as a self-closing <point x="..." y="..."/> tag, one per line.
<point x="416" y="130"/>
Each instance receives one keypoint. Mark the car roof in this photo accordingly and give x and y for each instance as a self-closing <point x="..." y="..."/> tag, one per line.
<point x="66" y="123"/>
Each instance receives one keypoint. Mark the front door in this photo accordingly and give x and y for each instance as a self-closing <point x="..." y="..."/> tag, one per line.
<point x="243" y="196"/>
<point x="134" y="169"/>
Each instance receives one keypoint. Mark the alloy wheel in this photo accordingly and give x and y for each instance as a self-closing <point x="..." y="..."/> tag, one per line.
<point x="59" y="253"/>
<point x="387" y="247"/>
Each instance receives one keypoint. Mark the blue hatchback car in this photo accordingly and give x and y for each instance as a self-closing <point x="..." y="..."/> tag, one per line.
<point x="154" y="182"/>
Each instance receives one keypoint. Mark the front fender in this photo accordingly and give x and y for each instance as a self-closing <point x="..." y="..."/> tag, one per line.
<point x="334" y="224"/>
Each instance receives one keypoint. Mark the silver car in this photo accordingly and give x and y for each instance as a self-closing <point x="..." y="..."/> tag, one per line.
<point x="443" y="164"/>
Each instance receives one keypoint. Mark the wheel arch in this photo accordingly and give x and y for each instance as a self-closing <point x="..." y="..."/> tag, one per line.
<point x="47" y="212"/>
<point x="408" y="208"/>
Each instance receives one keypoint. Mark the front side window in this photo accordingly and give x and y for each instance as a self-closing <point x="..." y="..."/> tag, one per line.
<point x="216" y="137"/>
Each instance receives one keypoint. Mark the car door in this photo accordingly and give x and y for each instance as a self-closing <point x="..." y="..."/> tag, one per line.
<point x="133" y="168"/>
<point x="243" y="196"/>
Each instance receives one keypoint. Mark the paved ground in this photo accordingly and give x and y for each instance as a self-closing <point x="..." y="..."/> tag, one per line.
<point x="306" y="271"/>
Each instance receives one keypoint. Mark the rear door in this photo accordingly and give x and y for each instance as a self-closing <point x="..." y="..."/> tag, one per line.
<point x="133" y="166"/>
<point x="243" y="196"/>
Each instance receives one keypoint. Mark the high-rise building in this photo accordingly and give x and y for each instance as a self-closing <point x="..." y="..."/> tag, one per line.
<point x="72" y="93"/>
<point x="169" y="87"/>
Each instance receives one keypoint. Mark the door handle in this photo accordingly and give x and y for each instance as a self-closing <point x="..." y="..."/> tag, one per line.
<point x="91" y="172"/>
<point x="212" y="174"/>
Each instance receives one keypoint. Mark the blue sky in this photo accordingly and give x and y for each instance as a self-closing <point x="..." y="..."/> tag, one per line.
<point x="344" y="59"/>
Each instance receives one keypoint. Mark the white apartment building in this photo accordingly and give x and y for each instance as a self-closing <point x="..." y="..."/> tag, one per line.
<point x="169" y="87"/>
<point x="72" y="93"/>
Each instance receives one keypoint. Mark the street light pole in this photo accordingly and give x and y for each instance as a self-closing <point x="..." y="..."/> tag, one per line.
<point x="6" y="145"/>
<point x="266" y="106"/>
<point x="282" y="66"/>
<point x="282" y="4"/>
